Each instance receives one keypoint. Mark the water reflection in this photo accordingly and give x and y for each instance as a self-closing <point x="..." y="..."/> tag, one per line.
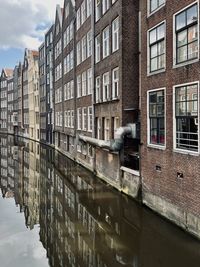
<point x="83" y="222"/>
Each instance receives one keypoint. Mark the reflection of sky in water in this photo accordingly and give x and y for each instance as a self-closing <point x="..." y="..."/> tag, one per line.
<point x="19" y="246"/>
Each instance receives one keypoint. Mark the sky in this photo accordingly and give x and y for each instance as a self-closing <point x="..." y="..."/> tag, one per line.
<point x="23" y="24"/>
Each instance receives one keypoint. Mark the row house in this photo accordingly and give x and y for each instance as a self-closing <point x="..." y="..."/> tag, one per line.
<point x="6" y="75"/>
<point x="170" y="109"/>
<point x="10" y="100"/>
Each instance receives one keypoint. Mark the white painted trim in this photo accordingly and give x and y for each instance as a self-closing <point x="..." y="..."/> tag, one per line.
<point x="175" y="149"/>
<point x="148" y="124"/>
<point x="148" y="8"/>
<point x="175" y="65"/>
<point x="125" y="169"/>
<point x="148" y="49"/>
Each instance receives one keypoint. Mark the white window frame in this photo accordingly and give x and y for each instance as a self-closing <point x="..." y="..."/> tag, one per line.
<point x="105" y="84"/>
<point x="113" y="83"/>
<point x="90" y="118"/>
<point x="177" y="65"/>
<point x="148" y="121"/>
<point x="148" y="49"/>
<point x="115" y="35"/>
<point x="105" y="6"/>
<point x="106" y="42"/>
<point x="97" y="48"/>
<point x="84" y="119"/>
<point x="179" y="150"/>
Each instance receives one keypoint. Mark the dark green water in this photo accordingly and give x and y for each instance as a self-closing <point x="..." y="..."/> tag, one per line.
<point x="55" y="213"/>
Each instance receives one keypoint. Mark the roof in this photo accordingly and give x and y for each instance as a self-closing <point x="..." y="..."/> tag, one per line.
<point x="8" y="72"/>
<point x="35" y="53"/>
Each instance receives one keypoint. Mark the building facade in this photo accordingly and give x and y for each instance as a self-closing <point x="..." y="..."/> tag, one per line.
<point x="170" y="110"/>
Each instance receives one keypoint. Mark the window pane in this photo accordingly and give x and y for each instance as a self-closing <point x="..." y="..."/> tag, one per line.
<point x="153" y="97"/>
<point x="161" y="32"/>
<point x="154" y="64"/>
<point x="161" y="135"/>
<point x="153" y="36"/>
<point x="154" y="50"/>
<point x="193" y="50"/>
<point x="192" y="34"/>
<point x="161" y="48"/>
<point x="182" y="54"/>
<point x="153" y="110"/>
<point x="160" y="110"/>
<point x="192" y="14"/>
<point x="181" y="20"/>
<point x="153" y="131"/>
<point x="182" y="38"/>
<point x="161" y="62"/>
<point x="180" y="93"/>
<point x="181" y="109"/>
<point x="153" y="5"/>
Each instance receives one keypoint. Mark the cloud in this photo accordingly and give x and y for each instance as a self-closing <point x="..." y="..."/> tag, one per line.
<point x="24" y="22"/>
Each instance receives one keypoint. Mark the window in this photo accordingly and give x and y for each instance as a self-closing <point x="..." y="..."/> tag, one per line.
<point x="83" y="12"/>
<point x="106" y="85"/>
<point x="105" y="6"/>
<point x="89" y="44"/>
<point x="78" y="49"/>
<point x="72" y="118"/>
<point x="84" y="48"/>
<point x="89" y="81"/>
<point x="155" y="4"/>
<point x="115" y="34"/>
<point x="186" y="117"/>
<point x="115" y="83"/>
<point x="98" y="92"/>
<point x="97" y="9"/>
<point x="89" y="119"/>
<point x="84" y="120"/>
<point x="107" y="129"/>
<point x="89" y="7"/>
<point x="78" y="19"/>
<point x="106" y="49"/>
<point x="98" y="128"/>
<point x="79" y="86"/>
<point x="79" y="118"/>
<point x="97" y="48"/>
<point x="157" y="48"/>
<point x="157" y="118"/>
<point x="84" y="84"/>
<point x="186" y="30"/>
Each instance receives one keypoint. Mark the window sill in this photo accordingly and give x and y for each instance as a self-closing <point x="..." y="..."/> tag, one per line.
<point x="155" y="72"/>
<point x="179" y="65"/>
<point x="186" y="152"/>
<point x="156" y="147"/>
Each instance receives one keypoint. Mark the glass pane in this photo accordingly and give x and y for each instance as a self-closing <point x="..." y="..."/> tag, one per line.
<point x="180" y="93"/>
<point x="182" y="38"/>
<point x="161" y="31"/>
<point x="161" y="62"/>
<point x="154" y="64"/>
<point x="193" y="50"/>
<point x="154" y="51"/>
<point x="153" y="5"/>
<point x="192" y="34"/>
<point x="161" y="48"/>
<point x="153" y="97"/>
<point x="192" y="14"/>
<point x="152" y="36"/>
<point x="161" y="2"/>
<point x="160" y="96"/>
<point x="181" y="20"/>
<point x="153" y="131"/>
<point x="160" y="110"/>
<point x="181" y="109"/>
<point x="161" y="135"/>
<point x="182" y="54"/>
<point x="152" y="111"/>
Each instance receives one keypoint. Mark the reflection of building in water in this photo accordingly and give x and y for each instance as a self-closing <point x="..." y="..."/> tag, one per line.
<point x="4" y="165"/>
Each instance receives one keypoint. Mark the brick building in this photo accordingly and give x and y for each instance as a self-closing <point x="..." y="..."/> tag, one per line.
<point x="170" y="110"/>
<point x="10" y="99"/>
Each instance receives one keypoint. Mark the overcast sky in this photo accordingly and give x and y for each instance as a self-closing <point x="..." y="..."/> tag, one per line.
<point x="23" y="24"/>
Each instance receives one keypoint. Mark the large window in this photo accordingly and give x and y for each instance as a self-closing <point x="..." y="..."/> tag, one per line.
<point x="155" y="4"/>
<point x="97" y="48"/>
<point x="115" y="34"/>
<point x="106" y="86"/>
<point x="157" y="48"/>
<point x="115" y="83"/>
<point x="106" y="49"/>
<point x="157" y="117"/>
<point x="186" y="117"/>
<point x="186" y="30"/>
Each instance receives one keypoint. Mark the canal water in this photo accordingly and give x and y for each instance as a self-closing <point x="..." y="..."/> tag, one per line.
<point x="55" y="213"/>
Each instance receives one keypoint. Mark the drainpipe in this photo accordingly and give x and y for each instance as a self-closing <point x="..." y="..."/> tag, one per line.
<point x="117" y="143"/>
